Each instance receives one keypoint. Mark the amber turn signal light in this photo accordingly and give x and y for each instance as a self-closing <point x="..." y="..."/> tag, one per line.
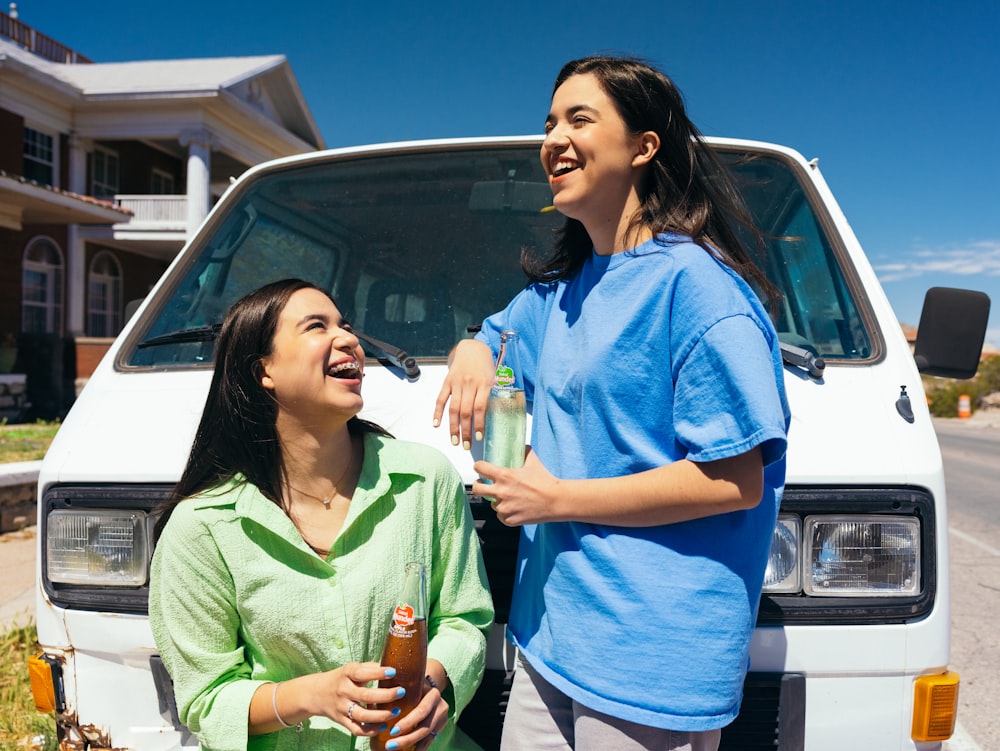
<point x="935" y="706"/>
<point x="45" y="674"/>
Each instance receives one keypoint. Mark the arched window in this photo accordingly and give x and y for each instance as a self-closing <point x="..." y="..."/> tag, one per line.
<point x="104" y="296"/>
<point x="42" y="287"/>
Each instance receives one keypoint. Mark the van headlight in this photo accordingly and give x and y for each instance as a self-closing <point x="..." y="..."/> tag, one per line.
<point x="97" y="547"/>
<point x="783" y="571"/>
<point x="844" y="555"/>
<point x="862" y="556"/>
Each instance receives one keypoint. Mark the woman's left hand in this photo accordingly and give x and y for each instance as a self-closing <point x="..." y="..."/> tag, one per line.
<point x="421" y="726"/>
<point x="527" y="495"/>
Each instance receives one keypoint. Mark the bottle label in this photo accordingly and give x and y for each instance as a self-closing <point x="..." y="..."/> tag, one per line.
<point x="504" y="376"/>
<point x="402" y="621"/>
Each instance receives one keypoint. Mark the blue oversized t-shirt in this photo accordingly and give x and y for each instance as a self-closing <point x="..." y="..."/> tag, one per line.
<point x="641" y="359"/>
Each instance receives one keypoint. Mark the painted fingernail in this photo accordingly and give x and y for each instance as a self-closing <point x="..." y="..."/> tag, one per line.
<point x="391" y="745"/>
<point x="400" y="691"/>
<point x="395" y="731"/>
<point x="437" y="422"/>
<point x="383" y="728"/>
<point x="466" y="445"/>
<point x="396" y="711"/>
<point x="479" y="435"/>
<point x="454" y="440"/>
<point x="390" y="672"/>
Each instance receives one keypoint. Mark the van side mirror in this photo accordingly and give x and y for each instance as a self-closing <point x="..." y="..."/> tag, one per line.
<point x="951" y="332"/>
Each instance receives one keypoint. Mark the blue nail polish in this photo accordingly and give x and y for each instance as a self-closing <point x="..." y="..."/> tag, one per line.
<point x="396" y="712"/>
<point x="394" y="731"/>
<point x="400" y="692"/>
<point x="390" y="672"/>
<point x="383" y="728"/>
<point x="391" y="746"/>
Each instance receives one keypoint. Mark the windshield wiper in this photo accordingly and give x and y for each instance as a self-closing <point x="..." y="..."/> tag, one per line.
<point x="394" y="355"/>
<point x="198" y="334"/>
<point x="814" y="365"/>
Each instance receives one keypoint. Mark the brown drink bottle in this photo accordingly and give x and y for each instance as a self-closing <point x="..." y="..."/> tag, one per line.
<point x="406" y="649"/>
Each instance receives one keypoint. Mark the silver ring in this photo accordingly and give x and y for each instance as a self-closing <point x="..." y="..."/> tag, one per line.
<point x="433" y="734"/>
<point x="350" y="709"/>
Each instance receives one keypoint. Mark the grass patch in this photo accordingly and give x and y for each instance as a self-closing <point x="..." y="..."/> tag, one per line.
<point x="22" y="727"/>
<point x="27" y="442"/>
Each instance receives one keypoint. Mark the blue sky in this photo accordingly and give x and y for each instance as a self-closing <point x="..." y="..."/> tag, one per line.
<point x="900" y="101"/>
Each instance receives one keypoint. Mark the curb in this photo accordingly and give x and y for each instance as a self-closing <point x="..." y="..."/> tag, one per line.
<point x="18" y="490"/>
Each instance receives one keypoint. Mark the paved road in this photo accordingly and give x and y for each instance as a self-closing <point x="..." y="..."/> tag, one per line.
<point x="972" y="474"/>
<point x="17" y="578"/>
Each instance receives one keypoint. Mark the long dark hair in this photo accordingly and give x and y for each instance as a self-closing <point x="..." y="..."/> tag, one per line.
<point x="687" y="189"/>
<point x="237" y="433"/>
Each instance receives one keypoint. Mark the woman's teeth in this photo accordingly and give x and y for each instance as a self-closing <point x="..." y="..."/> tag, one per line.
<point x="343" y="369"/>
<point x="561" y="168"/>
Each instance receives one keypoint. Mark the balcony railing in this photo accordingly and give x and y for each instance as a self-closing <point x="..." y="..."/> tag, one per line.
<point x="37" y="42"/>
<point x="155" y="211"/>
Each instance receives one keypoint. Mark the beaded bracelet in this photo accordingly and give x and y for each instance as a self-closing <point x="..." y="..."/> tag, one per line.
<point x="274" y="706"/>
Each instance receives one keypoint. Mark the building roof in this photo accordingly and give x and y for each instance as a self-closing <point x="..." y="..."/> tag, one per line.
<point x="263" y="84"/>
<point x="24" y="201"/>
<point x="164" y="76"/>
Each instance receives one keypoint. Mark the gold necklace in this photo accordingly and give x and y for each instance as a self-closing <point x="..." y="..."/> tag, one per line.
<point x="327" y="500"/>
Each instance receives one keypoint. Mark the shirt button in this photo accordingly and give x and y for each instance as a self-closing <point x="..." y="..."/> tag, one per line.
<point x="338" y="643"/>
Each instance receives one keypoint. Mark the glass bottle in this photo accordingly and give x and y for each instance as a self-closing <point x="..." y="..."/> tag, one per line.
<point x="406" y="649"/>
<point x="506" y="414"/>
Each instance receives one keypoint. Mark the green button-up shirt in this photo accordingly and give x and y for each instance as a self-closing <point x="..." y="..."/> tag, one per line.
<point x="238" y="599"/>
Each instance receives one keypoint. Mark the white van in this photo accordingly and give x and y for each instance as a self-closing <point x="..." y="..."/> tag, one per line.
<point x="418" y="242"/>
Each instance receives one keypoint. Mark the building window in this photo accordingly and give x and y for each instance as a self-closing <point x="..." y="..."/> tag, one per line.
<point x="42" y="287"/>
<point x="104" y="296"/>
<point x="105" y="172"/>
<point x="39" y="157"/>
<point x="162" y="183"/>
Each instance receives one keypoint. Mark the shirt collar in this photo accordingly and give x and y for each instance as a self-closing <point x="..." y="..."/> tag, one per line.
<point x="374" y="482"/>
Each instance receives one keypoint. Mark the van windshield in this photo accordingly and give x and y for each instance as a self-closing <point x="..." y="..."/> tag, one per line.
<point x="418" y="245"/>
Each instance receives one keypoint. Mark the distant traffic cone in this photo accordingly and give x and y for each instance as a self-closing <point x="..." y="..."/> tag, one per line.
<point x="964" y="407"/>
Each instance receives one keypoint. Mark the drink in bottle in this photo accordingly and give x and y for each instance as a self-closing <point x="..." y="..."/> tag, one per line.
<point x="406" y="649"/>
<point x="506" y="415"/>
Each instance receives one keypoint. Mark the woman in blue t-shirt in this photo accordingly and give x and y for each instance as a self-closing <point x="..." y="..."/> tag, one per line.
<point x="649" y="497"/>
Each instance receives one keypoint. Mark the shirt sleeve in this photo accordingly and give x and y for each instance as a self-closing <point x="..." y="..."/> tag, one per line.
<point x="728" y="398"/>
<point x="195" y="626"/>
<point x="460" y="606"/>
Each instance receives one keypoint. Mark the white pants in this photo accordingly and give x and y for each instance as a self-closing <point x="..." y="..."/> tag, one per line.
<point x="542" y="718"/>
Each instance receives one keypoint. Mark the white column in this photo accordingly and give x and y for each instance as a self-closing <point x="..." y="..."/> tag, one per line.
<point x="76" y="250"/>
<point x="199" y="146"/>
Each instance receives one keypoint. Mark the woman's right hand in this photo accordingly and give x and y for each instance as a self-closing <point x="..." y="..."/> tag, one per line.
<point x="467" y="385"/>
<point x="345" y="695"/>
<point x="350" y="700"/>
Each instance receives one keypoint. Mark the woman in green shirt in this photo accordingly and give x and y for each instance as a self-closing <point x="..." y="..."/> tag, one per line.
<point x="280" y="558"/>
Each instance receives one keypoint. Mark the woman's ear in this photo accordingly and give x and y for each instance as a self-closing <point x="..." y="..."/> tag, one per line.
<point x="647" y="144"/>
<point x="265" y="379"/>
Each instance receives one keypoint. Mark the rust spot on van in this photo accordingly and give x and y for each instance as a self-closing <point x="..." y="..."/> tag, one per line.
<point x="76" y="737"/>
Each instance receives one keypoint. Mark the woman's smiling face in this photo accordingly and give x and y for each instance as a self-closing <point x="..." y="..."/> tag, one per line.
<point x="589" y="154"/>
<point x="316" y="361"/>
